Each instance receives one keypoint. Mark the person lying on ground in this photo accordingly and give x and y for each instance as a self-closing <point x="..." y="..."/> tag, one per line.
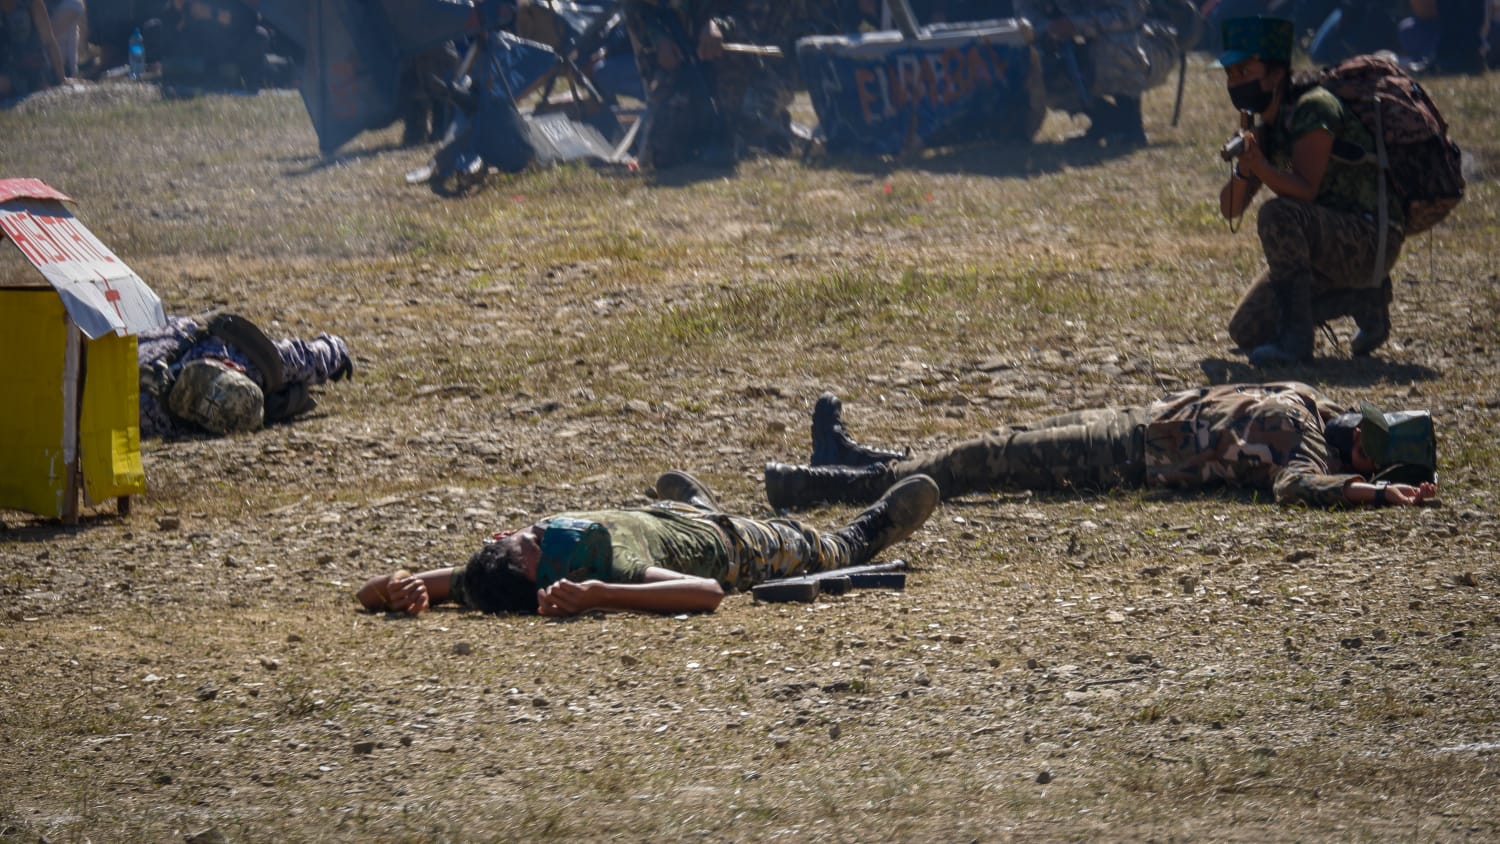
<point x="223" y="374"/>
<point x="1287" y="439"/>
<point x="680" y="554"/>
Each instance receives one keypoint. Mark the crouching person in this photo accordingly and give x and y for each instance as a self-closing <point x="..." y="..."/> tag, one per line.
<point x="681" y="554"/>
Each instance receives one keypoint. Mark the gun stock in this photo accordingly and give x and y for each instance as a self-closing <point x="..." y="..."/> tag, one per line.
<point x="807" y="588"/>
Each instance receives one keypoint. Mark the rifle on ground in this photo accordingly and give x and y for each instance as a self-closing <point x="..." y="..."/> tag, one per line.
<point x="808" y="587"/>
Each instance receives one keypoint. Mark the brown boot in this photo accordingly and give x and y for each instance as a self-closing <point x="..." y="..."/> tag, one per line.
<point x="897" y="515"/>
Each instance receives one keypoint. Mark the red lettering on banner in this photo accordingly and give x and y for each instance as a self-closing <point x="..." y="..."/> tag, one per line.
<point x="935" y="78"/>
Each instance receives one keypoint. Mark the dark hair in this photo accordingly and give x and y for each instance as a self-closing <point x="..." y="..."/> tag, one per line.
<point x="1338" y="433"/>
<point x="490" y="585"/>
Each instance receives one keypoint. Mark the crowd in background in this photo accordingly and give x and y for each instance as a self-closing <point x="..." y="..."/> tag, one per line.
<point x="225" y="45"/>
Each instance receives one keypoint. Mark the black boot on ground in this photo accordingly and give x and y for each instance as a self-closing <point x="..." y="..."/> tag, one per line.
<point x="675" y="485"/>
<point x="1374" y="321"/>
<point x="1294" y="338"/>
<point x="831" y="443"/>
<point x="795" y="487"/>
<point x="897" y="515"/>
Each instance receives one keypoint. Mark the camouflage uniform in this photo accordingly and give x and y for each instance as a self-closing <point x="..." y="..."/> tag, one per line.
<point x="704" y="109"/>
<point x="736" y="551"/>
<point x="183" y="340"/>
<point x="1260" y="436"/>
<point x="1323" y="252"/>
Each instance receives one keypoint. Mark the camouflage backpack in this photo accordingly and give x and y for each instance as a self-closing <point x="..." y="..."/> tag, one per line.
<point x="217" y="396"/>
<point x="1422" y="165"/>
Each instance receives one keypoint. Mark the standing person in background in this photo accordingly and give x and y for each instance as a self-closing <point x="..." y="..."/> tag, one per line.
<point x="1104" y="76"/>
<point x="67" y="22"/>
<point x="30" y="60"/>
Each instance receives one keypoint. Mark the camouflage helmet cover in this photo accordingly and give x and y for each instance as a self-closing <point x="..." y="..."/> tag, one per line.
<point x="217" y="396"/>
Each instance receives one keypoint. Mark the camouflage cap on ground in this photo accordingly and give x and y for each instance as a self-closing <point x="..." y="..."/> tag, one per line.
<point x="1270" y="39"/>
<point x="1402" y="444"/>
<point x="215" y="395"/>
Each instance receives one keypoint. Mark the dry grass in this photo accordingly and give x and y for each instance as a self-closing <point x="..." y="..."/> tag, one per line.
<point x="1133" y="666"/>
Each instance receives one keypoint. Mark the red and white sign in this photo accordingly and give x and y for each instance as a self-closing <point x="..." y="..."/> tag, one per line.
<point x="99" y="291"/>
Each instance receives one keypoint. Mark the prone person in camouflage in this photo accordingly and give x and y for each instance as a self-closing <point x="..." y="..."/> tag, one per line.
<point x="1122" y="56"/>
<point x="706" y="104"/>
<point x="1287" y="439"/>
<point x="678" y="555"/>
<point x="1320" y="231"/>
<point x="180" y="395"/>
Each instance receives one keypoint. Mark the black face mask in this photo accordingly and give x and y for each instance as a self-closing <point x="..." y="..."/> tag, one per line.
<point x="1250" y="96"/>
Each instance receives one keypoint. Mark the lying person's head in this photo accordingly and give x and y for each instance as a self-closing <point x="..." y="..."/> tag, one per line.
<point x="1400" y="447"/>
<point x="496" y="581"/>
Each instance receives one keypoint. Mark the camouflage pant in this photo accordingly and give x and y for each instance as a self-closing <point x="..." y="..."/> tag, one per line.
<point x="761" y="550"/>
<point x="1082" y="450"/>
<point x="1332" y="253"/>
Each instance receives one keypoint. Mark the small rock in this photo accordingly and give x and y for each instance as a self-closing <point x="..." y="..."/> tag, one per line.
<point x="834" y="732"/>
<point x="1468" y="578"/>
<point x="270" y="663"/>
<point x="364" y="748"/>
<point x="1044" y="777"/>
<point x="206" y="692"/>
<point x="540" y="702"/>
<point x="162" y="779"/>
<point x="293" y="638"/>
<point x="168" y="522"/>
<point x="1352" y="642"/>
<point x="781" y="742"/>
<point x="1299" y="555"/>
<point x="462" y="648"/>
<point x="922" y="679"/>
<point x="629" y="661"/>
<point x="1032" y="664"/>
<point x="206" y="836"/>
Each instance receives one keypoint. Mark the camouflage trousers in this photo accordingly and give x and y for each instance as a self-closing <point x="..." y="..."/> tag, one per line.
<point x="765" y="549"/>
<point x="1084" y="450"/>
<point x="1331" y="253"/>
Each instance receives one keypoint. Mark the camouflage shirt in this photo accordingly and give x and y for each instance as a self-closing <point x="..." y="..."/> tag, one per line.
<point x="1111" y="30"/>
<point x="1347" y="186"/>
<point x="1264" y="436"/>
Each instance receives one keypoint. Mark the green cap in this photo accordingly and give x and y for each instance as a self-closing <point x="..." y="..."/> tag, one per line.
<point x="1268" y="38"/>
<point x="1402" y="444"/>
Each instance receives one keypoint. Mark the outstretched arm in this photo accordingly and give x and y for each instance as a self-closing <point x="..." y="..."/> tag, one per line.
<point x="1383" y="493"/>
<point x="663" y="591"/>
<point x="406" y="592"/>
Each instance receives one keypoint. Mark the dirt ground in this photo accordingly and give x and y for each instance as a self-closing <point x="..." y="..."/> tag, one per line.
<point x="1133" y="666"/>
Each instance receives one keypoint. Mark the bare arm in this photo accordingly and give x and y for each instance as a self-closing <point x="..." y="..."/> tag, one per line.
<point x="406" y="592"/>
<point x="1396" y="495"/>
<point x="663" y="591"/>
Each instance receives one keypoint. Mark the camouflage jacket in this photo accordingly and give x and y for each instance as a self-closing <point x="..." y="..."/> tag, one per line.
<point x="1264" y="436"/>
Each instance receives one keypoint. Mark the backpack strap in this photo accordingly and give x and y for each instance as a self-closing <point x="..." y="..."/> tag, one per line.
<point x="1382" y="214"/>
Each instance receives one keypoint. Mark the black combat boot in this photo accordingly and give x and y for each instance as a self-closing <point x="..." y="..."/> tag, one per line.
<point x="1374" y="321"/>
<point x="1294" y="337"/>
<point x="675" y="485"/>
<point x="897" y="515"/>
<point x="1127" y="128"/>
<point x="831" y="443"/>
<point x="793" y="487"/>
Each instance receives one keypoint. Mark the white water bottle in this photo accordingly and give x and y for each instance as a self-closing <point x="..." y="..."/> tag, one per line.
<point x="137" y="55"/>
